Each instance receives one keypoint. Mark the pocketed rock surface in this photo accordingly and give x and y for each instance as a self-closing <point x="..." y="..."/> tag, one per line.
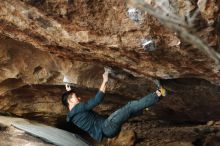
<point x="43" y="41"/>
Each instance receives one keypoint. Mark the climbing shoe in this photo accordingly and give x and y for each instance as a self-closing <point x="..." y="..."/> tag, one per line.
<point x="163" y="91"/>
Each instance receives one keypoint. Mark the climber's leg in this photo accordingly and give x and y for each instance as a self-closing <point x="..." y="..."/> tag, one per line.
<point x="113" y="123"/>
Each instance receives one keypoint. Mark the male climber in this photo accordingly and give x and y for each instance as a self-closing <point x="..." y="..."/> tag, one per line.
<point x="81" y="114"/>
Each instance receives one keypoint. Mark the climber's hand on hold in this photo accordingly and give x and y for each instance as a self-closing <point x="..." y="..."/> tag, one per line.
<point x="105" y="80"/>
<point x="105" y="77"/>
<point x="68" y="88"/>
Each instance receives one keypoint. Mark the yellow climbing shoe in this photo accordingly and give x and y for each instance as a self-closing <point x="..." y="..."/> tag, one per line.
<point x="162" y="91"/>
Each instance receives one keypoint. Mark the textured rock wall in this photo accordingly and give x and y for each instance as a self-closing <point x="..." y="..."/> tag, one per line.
<point x="31" y="86"/>
<point x="101" y="31"/>
<point x="41" y="41"/>
<point x="32" y="81"/>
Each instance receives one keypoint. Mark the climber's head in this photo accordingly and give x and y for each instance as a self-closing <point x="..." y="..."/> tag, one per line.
<point x="69" y="98"/>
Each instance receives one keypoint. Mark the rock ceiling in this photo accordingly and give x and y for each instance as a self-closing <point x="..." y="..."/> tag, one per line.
<point x="43" y="40"/>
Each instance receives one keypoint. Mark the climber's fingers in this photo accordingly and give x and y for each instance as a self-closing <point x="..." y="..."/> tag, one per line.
<point x="68" y="88"/>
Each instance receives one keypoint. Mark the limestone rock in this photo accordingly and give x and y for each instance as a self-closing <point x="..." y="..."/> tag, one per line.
<point x="208" y="9"/>
<point x="41" y="41"/>
<point x="101" y="39"/>
<point x="79" y="48"/>
<point x="179" y="144"/>
<point x="125" y="138"/>
<point x="210" y="123"/>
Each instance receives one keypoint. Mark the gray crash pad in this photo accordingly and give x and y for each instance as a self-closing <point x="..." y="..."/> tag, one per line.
<point x="52" y="135"/>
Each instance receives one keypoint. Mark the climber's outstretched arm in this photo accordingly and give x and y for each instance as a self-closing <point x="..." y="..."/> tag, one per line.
<point x="91" y="103"/>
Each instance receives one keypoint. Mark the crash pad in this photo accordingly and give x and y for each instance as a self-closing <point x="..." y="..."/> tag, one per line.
<point x="52" y="135"/>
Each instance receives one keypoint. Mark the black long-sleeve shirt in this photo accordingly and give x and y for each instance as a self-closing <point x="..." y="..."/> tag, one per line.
<point x="83" y="117"/>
